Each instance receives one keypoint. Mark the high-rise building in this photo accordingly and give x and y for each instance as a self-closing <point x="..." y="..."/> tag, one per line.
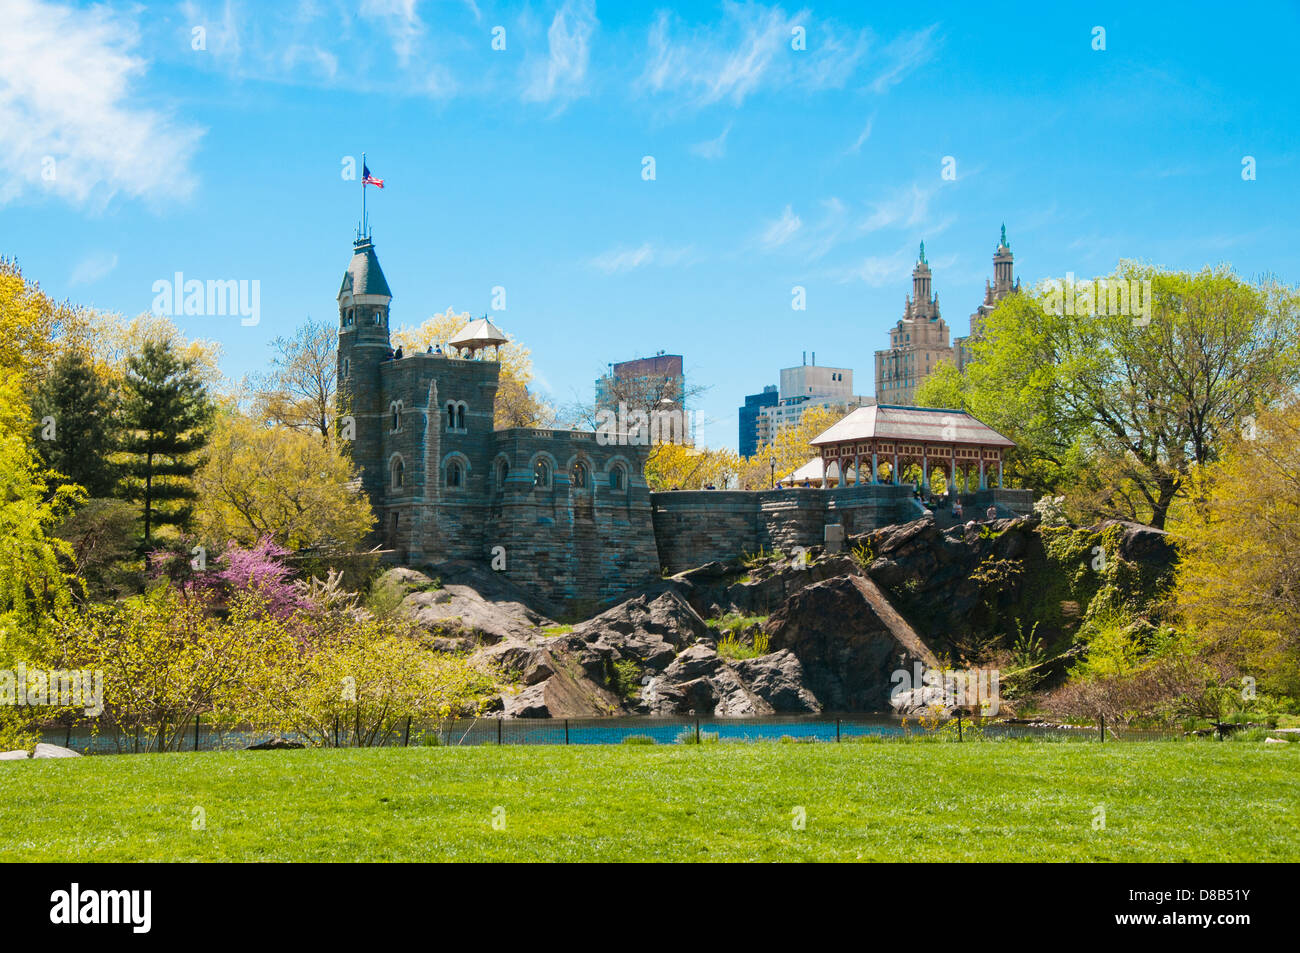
<point x="655" y="385"/>
<point x="748" y="438"/>
<point x="919" y="341"/>
<point x="803" y="388"/>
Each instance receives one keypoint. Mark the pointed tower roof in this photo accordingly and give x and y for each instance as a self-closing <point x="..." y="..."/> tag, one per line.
<point x="364" y="276"/>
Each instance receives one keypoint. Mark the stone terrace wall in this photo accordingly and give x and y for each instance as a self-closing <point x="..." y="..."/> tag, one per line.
<point x="568" y="544"/>
<point x="697" y="526"/>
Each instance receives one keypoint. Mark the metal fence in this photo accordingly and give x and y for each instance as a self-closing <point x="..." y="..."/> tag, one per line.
<point x="200" y="735"/>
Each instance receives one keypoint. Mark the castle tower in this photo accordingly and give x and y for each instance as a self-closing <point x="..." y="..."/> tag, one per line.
<point x="364" y="298"/>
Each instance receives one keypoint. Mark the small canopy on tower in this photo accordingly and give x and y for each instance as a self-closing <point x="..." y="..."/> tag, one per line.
<point x="478" y="335"/>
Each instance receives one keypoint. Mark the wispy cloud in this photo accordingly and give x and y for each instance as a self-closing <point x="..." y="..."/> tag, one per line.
<point x="622" y="259"/>
<point x="561" y="75"/>
<point x="879" y="271"/>
<point x="67" y="118"/>
<point x="903" y="55"/>
<point x="907" y="207"/>
<point x="93" y="267"/>
<point x="780" y="231"/>
<point x="863" y="136"/>
<point x="402" y="22"/>
<point x="714" y="148"/>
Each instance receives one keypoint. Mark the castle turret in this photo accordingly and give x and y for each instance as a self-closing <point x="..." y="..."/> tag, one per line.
<point x="364" y="299"/>
<point x="921" y="282"/>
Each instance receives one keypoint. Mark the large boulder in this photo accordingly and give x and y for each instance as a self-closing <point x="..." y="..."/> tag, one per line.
<point x="17" y="754"/>
<point x="778" y="679"/>
<point x="649" y="629"/>
<point x="849" y="641"/>
<point x="464" y="603"/>
<point x="564" y="694"/>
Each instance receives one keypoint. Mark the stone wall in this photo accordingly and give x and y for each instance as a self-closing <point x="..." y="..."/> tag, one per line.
<point x="697" y="526"/>
<point x="570" y="544"/>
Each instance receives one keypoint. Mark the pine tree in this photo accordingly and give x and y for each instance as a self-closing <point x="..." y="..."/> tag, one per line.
<point x="166" y="414"/>
<point x="78" y="427"/>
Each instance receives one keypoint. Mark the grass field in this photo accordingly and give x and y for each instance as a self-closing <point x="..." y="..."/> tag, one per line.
<point x="936" y="802"/>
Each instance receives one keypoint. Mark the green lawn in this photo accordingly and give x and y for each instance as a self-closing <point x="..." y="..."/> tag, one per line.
<point x="1166" y="801"/>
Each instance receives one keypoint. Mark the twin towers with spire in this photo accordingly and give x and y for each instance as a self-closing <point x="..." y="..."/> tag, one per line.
<point x="919" y="341"/>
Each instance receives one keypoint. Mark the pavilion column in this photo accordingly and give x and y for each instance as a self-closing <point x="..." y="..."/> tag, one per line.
<point x="982" y="484"/>
<point x="952" y="471"/>
<point x="894" y="474"/>
<point x="999" y="473"/>
<point x="857" y="469"/>
<point x="925" y="472"/>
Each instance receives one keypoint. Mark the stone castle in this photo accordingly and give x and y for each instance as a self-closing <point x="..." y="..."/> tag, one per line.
<point x="565" y="516"/>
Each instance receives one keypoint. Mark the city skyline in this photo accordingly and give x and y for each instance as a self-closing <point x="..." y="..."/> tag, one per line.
<point x="523" y="168"/>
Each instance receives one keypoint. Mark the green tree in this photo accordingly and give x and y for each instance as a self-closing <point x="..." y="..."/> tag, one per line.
<point x="78" y="429"/>
<point x="165" y="417"/>
<point x="300" y="390"/>
<point x="1119" y="410"/>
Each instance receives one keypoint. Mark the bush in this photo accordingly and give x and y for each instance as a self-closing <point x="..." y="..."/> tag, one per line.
<point x="638" y="740"/>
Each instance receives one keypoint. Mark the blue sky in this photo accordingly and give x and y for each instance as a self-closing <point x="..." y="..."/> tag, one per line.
<point x="522" y="167"/>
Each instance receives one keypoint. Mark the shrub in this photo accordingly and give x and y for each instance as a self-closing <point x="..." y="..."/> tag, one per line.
<point x="638" y="740"/>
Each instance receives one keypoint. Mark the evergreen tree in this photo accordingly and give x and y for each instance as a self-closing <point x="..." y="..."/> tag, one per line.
<point x="80" y="434"/>
<point x="166" y="413"/>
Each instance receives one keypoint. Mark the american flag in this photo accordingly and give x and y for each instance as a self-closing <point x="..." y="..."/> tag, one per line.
<point x="368" y="179"/>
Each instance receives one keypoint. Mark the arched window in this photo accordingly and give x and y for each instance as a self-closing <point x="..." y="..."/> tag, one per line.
<point x="455" y="474"/>
<point x="503" y="471"/>
<point x="542" y="474"/>
<point x="396" y="408"/>
<point x="578" y="477"/>
<point x="348" y="317"/>
<point x="347" y="367"/>
<point x="451" y="415"/>
<point x="399" y="473"/>
<point x="616" y="478"/>
<point x="460" y="416"/>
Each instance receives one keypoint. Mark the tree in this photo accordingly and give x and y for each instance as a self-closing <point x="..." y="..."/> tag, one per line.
<point x="80" y="410"/>
<point x="1238" y="583"/>
<point x="791" y="449"/>
<point x="280" y="482"/>
<point x="516" y="405"/>
<point x="673" y="466"/>
<point x="301" y="389"/>
<point x="1120" y="409"/>
<point x="166" y="414"/>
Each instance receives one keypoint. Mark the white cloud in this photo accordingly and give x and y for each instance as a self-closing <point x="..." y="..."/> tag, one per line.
<point x="905" y="208"/>
<point x="780" y="231"/>
<point x="93" y="267"/>
<point x="400" y="19"/>
<point x="863" y="136"/>
<point x="619" y="260"/>
<point x="712" y="148"/>
<point x="562" y="76"/>
<point x="879" y="271"/>
<point x="69" y="125"/>
<point x="903" y="55"/>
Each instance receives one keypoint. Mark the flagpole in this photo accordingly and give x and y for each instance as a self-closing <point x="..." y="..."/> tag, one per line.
<point x="363" y="195"/>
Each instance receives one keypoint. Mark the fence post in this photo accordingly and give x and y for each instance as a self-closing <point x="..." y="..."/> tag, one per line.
<point x="406" y="740"/>
<point x="1102" y="719"/>
<point x="959" y="724"/>
<point x="336" y="731"/>
<point x="67" y="741"/>
<point x="196" y="732"/>
<point x="499" y="720"/>
<point x="566" y="731"/>
<point x="837" y="729"/>
<point x="697" y="731"/>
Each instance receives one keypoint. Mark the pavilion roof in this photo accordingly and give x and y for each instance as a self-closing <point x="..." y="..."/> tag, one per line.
<point x="479" y="334"/>
<point x="920" y="424"/>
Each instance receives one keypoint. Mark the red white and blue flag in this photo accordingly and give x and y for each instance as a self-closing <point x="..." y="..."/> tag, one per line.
<point x="368" y="179"/>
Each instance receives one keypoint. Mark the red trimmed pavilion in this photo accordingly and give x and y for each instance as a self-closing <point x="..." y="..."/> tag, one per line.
<point x="949" y="440"/>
